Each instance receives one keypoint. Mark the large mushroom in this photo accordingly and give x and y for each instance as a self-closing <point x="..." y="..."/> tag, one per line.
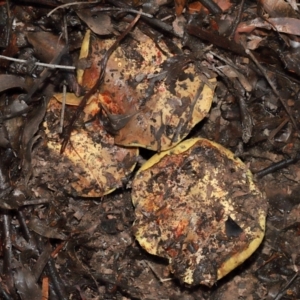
<point x="197" y="205"/>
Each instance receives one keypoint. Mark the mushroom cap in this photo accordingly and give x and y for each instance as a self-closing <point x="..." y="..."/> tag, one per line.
<point x="91" y="165"/>
<point x="197" y="205"/>
<point x="163" y="95"/>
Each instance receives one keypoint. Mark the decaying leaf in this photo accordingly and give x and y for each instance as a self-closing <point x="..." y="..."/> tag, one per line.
<point x="285" y="25"/>
<point x="277" y="8"/>
<point x="46" y="45"/>
<point x="12" y="81"/>
<point x="71" y="99"/>
<point x="28" y="138"/>
<point x="26" y="284"/>
<point x="291" y="60"/>
<point x="43" y="229"/>
<point x="233" y="73"/>
<point x="14" y="126"/>
<point x="197" y="206"/>
<point x="98" y="22"/>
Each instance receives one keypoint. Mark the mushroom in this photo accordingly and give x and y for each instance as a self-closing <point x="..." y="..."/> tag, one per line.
<point x="197" y="205"/>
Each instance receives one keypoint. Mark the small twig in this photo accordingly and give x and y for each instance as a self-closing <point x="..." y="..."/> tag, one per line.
<point x="51" y="66"/>
<point x="215" y="39"/>
<point x="41" y="262"/>
<point x="129" y="10"/>
<point x="100" y="8"/>
<point x="35" y="201"/>
<point x="246" y="119"/>
<point x="228" y="62"/>
<point x="70" y="4"/>
<point x="27" y="234"/>
<point x="276" y="130"/>
<point x="56" y="280"/>
<point x="154" y="271"/>
<point x="45" y="73"/>
<point x="212" y="7"/>
<point x="273" y="87"/>
<point x="9" y="22"/>
<point x="65" y="30"/>
<point x="283" y="290"/>
<point x="238" y="18"/>
<point x="63" y="107"/>
<point x="277" y="166"/>
<point x="152" y="21"/>
<point x="7" y="274"/>
<point x="7" y="254"/>
<point x="45" y="288"/>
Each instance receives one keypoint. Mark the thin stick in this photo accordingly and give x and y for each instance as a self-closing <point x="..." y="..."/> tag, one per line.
<point x="9" y="22"/>
<point x="212" y="7"/>
<point x="276" y="166"/>
<point x="99" y="9"/>
<point x="35" y="201"/>
<point x="51" y="66"/>
<point x="62" y="115"/>
<point x="129" y="10"/>
<point x="65" y="30"/>
<point x="58" y="285"/>
<point x="152" y="21"/>
<point x="63" y="108"/>
<point x="276" y="130"/>
<point x="238" y="18"/>
<point x="273" y="87"/>
<point x="7" y="274"/>
<point x="70" y="4"/>
<point x="26" y="232"/>
<point x="283" y="290"/>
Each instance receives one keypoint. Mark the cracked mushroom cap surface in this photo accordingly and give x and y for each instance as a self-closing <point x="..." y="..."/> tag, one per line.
<point x="163" y="95"/>
<point x="92" y="165"/>
<point x="197" y="206"/>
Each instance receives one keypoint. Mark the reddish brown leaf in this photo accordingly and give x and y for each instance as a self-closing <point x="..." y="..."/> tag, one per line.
<point x="179" y="6"/>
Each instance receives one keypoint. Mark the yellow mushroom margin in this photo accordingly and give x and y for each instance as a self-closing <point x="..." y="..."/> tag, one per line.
<point x="197" y="205"/>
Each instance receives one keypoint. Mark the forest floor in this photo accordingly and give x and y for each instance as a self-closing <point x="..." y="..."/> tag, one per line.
<point x="66" y="205"/>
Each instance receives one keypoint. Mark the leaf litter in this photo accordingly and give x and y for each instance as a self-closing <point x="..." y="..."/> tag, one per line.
<point x="223" y="73"/>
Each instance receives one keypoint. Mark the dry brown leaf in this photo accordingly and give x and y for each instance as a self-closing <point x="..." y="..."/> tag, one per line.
<point x="12" y="81"/>
<point x="232" y="73"/>
<point x="46" y="45"/>
<point x="98" y="22"/>
<point x="179" y="6"/>
<point x="277" y="8"/>
<point x="284" y="25"/>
